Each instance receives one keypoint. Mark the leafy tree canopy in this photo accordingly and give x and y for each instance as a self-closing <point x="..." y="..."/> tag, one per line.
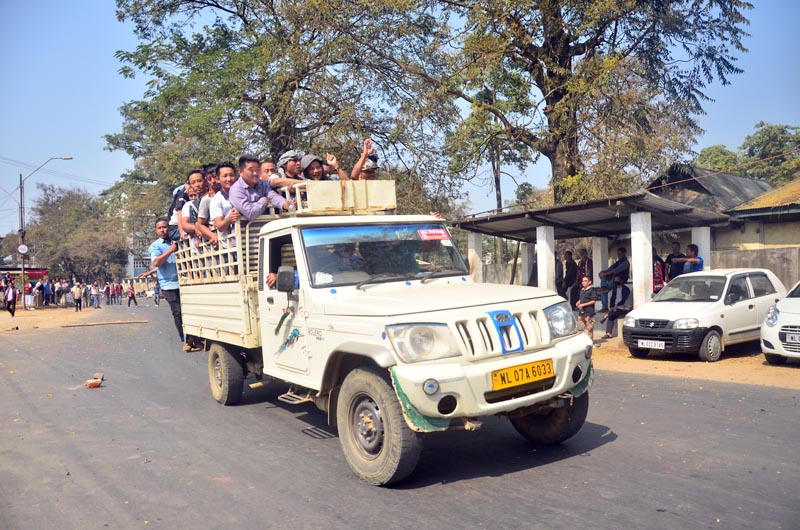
<point x="73" y="238"/>
<point x="771" y="153"/>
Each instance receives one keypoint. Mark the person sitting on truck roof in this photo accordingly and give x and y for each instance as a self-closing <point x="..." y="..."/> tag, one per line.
<point x="250" y="195"/>
<point x="222" y="213"/>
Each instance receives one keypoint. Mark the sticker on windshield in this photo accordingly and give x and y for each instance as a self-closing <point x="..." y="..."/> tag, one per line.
<point x="433" y="234"/>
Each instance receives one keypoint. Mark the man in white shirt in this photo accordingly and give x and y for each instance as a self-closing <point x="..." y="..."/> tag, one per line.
<point x="221" y="212"/>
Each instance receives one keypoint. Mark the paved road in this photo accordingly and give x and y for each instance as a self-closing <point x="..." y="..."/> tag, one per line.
<point x="151" y="449"/>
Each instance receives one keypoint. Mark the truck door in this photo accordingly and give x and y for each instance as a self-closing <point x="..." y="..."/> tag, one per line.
<point x="282" y="328"/>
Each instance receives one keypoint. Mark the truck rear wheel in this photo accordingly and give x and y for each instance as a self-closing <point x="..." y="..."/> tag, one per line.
<point x="555" y="426"/>
<point x="225" y="374"/>
<point x="376" y="441"/>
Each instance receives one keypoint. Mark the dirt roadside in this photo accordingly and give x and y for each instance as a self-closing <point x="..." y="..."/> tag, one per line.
<point x="739" y="364"/>
<point x="742" y="363"/>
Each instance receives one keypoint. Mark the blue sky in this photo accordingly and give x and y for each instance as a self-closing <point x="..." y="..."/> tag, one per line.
<point x="60" y="93"/>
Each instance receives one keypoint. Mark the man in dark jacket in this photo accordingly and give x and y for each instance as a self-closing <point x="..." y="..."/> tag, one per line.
<point x="619" y="304"/>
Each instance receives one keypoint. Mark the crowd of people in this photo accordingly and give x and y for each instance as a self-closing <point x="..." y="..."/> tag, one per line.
<point x="214" y="197"/>
<point x="574" y="282"/>
<point x="64" y="293"/>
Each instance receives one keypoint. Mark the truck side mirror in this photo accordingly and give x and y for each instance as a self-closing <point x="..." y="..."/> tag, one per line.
<point x="285" y="280"/>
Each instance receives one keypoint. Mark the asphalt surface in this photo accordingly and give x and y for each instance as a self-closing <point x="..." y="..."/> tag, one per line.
<point x="152" y="449"/>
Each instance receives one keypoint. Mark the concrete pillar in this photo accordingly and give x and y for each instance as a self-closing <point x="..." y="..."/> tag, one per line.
<point x="701" y="236"/>
<point x="545" y="257"/>
<point x="599" y="258"/>
<point x="527" y="253"/>
<point x="641" y="257"/>
<point x="475" y="256"/>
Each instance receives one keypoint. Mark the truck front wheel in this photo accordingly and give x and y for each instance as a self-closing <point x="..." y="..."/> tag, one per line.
<point x="225" y="374"/>
<point x="554" y="427"/>
<point x="377" y="442"/>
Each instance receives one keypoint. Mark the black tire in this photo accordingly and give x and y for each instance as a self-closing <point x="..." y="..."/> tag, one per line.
<point x="775" y="360"/>
<point x="639" y="353"/>
<point x="376" y="440"/>
<point x="711" y="347"/>
<point x="225" y="374"/>
<point x="555" y="426"/>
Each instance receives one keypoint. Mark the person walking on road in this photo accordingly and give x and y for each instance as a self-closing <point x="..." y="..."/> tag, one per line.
<point x="10" y="298"/>
<point x="132" y="295"/>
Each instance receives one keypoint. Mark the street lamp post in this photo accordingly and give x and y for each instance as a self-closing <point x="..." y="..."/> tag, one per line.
<point x="22" y="249"/>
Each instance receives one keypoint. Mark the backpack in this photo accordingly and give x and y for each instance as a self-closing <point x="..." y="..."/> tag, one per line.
<point x="178" y="200"/>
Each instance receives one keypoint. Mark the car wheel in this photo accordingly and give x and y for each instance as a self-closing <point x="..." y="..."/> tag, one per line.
<point x="555" y="426"/>
<point x="711" y="347"/>
<point x="639" y="353"/>
<point x="776" y="360"/>
<point x="376" y="440"/>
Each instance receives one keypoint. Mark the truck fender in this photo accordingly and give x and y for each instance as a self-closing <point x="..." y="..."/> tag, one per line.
<point x="347" y="357"/>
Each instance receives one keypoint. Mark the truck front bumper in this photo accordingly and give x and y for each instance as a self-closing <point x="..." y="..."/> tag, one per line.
<point x="465" y="390"/>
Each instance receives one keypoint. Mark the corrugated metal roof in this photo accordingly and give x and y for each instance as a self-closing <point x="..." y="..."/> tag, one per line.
<point x="724" y="190"/>
<point x="787" y="195"/>
<point x="599" y="218"/>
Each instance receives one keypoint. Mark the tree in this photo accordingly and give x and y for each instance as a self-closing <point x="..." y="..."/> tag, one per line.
<point x="717" y="158"/>
<point x="234" y="76"/>
<point x="774" y="151"/>
<point x="72" y="236"/>
<point x="560" y="50"/>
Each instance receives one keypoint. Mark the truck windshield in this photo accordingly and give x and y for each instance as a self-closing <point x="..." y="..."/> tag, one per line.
<point x="354" y="254"/>
<point x="694" y="289"/>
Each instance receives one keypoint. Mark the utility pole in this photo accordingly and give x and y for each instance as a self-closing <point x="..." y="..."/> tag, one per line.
<point x="22" y="249"/>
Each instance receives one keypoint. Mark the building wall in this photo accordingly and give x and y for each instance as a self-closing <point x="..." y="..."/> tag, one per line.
<point x="756" y="235"/>
<point x="784" y="262"/>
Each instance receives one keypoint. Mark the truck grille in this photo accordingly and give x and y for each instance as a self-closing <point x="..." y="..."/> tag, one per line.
<point x="500" y="332"/>
<point x="653" y="324"/>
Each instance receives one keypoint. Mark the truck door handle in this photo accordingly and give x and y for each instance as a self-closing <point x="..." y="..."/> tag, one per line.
<point x="270" y="300"/>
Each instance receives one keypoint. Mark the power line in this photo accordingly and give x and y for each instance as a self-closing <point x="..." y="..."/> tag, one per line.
<point x="52" y="172"/>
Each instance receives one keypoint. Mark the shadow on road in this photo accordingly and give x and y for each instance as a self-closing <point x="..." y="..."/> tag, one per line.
<point x="494" y="451"/>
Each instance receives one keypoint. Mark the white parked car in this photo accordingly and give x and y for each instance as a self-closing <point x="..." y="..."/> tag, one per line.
<point x="780" y="332"/>
<point x="703" y="312"/>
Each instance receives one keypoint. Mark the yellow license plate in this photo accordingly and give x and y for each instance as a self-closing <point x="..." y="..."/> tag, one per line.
<point x="522" y="374"/>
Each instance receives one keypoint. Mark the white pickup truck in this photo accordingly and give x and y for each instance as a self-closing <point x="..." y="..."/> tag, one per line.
<point x="375" y="320"/>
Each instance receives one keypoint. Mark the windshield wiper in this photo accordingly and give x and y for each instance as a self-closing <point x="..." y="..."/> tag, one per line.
<point x="384" y="276"/>
<point x="439" y="274"/>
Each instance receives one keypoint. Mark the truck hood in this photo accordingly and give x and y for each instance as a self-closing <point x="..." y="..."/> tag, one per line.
<point x="400" y="299"/>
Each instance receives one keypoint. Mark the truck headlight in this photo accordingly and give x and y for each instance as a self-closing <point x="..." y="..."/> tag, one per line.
<point x="423" y="342"/>
<point x="561" y="320"/>
<point x="772" y="316"/>
<point x="686" y="323"/>
<point x="629" y="322"/>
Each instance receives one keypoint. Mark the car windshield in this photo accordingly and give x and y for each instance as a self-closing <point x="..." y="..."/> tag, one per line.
<point x="692" y="289"/>
<point x="363" y="254"/>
